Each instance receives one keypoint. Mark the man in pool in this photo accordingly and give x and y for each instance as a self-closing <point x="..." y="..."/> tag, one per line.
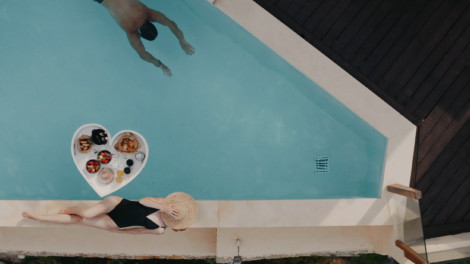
<point x="136" y="20"/>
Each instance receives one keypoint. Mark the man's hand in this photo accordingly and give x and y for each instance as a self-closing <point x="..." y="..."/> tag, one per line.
<point x="187" y="47"/>
<point x="166" y="70"/>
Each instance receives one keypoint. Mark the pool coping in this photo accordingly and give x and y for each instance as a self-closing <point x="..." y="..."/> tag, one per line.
<point x="229" y="216"/>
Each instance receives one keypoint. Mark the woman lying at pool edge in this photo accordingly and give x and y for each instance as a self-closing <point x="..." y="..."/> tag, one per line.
<point x="149" y="215"/>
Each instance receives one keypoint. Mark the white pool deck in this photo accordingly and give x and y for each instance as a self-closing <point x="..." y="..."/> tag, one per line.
<point x="279" y="228"/>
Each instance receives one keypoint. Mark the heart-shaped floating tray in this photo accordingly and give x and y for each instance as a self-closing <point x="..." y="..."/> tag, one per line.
<point x="116" y="165"/>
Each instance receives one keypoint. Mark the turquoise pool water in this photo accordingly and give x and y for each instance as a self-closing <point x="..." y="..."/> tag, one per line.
<point x="235" y="122"/>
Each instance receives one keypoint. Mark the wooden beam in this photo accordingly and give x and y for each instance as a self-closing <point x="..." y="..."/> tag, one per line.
<point x="405" y="191"/>
<point x="410" y="253"/>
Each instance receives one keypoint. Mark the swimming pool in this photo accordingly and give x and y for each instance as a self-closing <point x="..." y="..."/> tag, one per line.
<point x="235" y="122"/>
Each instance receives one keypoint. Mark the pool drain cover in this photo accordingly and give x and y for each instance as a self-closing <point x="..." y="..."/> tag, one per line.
<point x="321" y="164"/>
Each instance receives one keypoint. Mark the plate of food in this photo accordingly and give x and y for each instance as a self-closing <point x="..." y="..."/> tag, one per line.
<point x="108" y="163"/>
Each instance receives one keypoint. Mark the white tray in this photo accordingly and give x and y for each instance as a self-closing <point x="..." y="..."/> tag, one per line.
<point x="118" y="161"/>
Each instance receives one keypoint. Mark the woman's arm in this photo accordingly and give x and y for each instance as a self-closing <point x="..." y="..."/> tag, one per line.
<point x="159" y="203"/>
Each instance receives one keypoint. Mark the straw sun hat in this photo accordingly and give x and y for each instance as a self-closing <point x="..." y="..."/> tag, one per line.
<point x="187" y="208"/>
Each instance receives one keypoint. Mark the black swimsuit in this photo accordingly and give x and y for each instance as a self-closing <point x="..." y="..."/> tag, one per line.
<point x="132" y="213"/>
